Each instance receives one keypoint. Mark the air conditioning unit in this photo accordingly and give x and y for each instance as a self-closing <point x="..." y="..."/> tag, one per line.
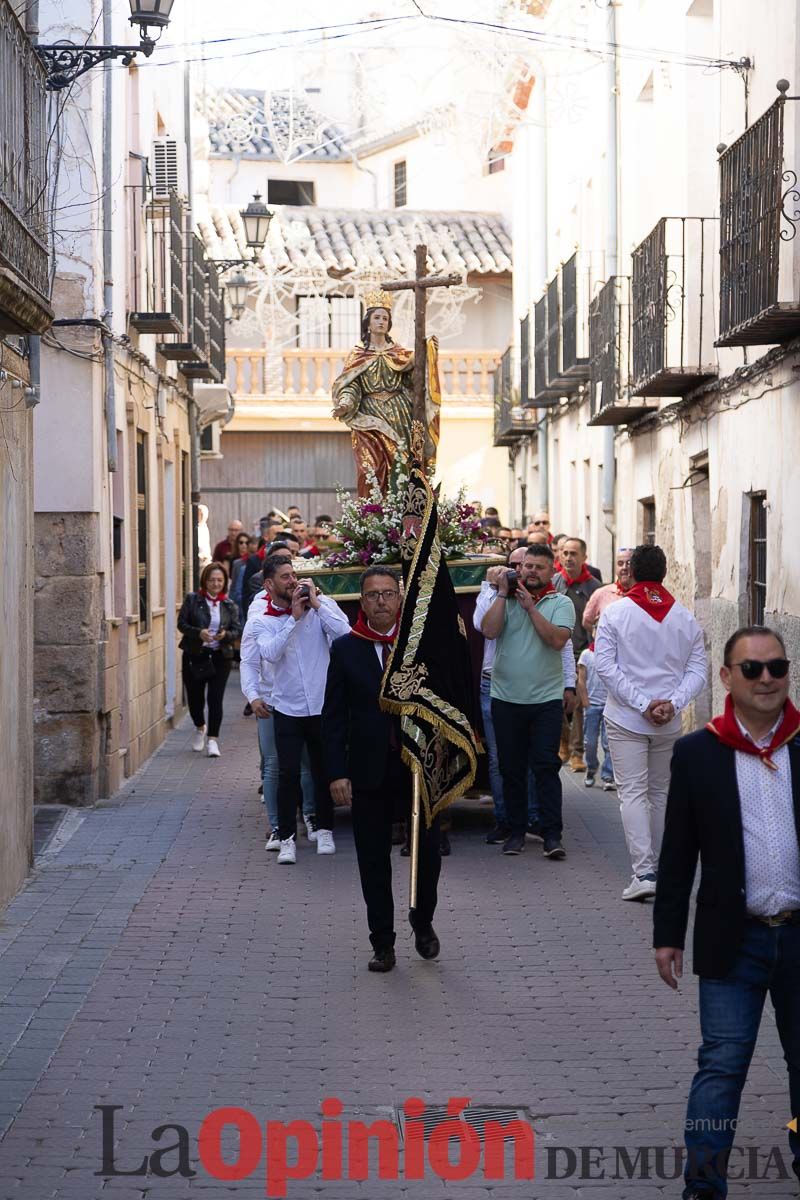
<point x="167" y="168"/>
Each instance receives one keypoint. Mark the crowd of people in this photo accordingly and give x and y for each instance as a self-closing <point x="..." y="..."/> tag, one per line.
<point x="572" y="668"/>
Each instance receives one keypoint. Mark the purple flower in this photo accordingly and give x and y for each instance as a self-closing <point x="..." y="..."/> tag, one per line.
<point x="372" y="508"/>
<point x="393" y="536"/>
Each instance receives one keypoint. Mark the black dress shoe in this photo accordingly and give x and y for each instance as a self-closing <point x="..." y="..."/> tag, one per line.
<point x="498" y="835"/>
<point x="382" y="960"/>
<point x="444" y="845"/>
<point x="426" y="942"/>
<point x="514" y="844"/>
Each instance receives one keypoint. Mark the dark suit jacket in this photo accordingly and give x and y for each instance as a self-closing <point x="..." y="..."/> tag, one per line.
<point x="355" y="732"/>
<point x="704" y="818"/>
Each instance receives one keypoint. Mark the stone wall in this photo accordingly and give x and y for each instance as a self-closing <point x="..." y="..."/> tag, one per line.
<point x="68" y="658"/>
<point x="16" y="659"/>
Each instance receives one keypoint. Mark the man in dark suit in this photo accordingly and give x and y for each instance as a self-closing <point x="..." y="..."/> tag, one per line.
<point x="361" y="744"/>
<point x="734" y="800"/>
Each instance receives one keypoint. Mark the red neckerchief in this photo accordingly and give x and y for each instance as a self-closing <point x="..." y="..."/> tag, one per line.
<point x="654" y="599"/>
<point x="261" y="552"/>
<point x="582" y="578"/>
<point x="273" y="611"/>
<point x="620" y="589"/>
<point x="213" y="600"/>
<point x="549" y="590"/>
<point x="726" y="728"/>
<point x="591" y="646"/>
<point x="362" y="630"/>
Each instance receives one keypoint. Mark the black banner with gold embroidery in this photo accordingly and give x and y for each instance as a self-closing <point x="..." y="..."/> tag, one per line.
<point x="428" y="677"/>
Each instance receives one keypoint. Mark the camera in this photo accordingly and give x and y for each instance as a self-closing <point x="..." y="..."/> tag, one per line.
<point x="304" y="590"/>
<point x="512" y="579"/>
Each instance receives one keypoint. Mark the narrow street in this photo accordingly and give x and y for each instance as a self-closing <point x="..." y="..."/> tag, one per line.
<point x="162" y="962"/>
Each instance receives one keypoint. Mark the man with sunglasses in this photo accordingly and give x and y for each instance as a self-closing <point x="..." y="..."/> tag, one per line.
<point x="734" y="801"/>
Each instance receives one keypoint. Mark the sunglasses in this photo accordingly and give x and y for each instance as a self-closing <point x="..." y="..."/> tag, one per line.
<point x="751" y="668"/>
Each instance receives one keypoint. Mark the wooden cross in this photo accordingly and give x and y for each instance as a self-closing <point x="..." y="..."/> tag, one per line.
<point x="420" y="283"/>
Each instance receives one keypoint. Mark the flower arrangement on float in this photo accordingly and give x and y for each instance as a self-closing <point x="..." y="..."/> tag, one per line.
<point x="369" y="529"/>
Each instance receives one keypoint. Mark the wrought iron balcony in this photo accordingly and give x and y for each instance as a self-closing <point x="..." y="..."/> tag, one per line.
<point x="561" y="318"/>
<point x="759" y="211"/>
<point x="673" y="337"/>
<point x="157" y="234"/>
<point x="610" y="350"/>
<point x="24" y="259"/>
<point x="511" y="422"/>
<point x="207" y="361"/>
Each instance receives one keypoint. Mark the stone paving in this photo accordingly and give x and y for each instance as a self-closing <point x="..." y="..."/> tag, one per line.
<point x="158" y="960"/>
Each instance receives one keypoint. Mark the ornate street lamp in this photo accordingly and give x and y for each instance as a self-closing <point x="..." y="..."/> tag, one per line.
<point x="65" y="62"/>
<point x="238" y="289"/>
<point x="256" y="218"/>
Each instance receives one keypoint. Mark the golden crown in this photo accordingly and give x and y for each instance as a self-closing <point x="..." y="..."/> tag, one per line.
<point x="378" y="298"/>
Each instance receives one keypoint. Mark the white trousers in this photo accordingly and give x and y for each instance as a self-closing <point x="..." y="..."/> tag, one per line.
<point x="641" y="770"/>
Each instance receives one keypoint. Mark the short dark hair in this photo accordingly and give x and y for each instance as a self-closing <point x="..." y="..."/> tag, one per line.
<point x="540" y="551"/>
<point x="272" y="564"/>
<point x="558" y="536"/>
<point x="323" y="519"/>
<point x="571" y="538"/>
<point x="750" y="631"/>
<point x="274" y="547"/>
<point x="491" y="511"/>
<point x="207" y="569"/>
<point x="648" y="564"/>
<point x="386" y="572"/>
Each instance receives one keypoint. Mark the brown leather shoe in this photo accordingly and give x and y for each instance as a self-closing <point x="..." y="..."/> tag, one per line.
<point x="576" y="763"/>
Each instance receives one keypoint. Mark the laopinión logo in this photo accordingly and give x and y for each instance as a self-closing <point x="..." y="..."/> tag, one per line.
<point x="288" y="1151"/>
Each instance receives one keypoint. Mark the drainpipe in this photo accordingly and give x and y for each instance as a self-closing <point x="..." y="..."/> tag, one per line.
<point x="538" y="269"/>
<point x="612" y="245"/>
<point x="34" y="392"/>
<point x="194" y="427"/>
<point x="107" y="335"/>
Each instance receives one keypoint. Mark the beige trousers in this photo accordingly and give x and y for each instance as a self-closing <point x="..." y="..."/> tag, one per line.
<point x="641" y="770"/>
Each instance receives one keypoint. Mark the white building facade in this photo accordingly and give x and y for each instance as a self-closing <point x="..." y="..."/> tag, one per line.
<point x="656" y="189"/>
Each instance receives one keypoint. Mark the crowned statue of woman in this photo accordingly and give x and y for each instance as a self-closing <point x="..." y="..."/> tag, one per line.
<point x="374" y="397"/>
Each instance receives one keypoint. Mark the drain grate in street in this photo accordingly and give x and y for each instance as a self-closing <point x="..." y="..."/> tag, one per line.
<point x="475" y="1115"/>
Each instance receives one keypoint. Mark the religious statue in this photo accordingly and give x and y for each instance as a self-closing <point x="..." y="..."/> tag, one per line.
<point x="374" y="397"/>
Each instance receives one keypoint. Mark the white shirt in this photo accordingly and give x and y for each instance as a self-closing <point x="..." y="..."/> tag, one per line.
<point x="640" y="660"/>
<point x="771" y="852"/>
<point x="486" y="598"/>
<point x="297" y="653"/>
<point x="215" y="611"/>
<point x="255" y="674"/>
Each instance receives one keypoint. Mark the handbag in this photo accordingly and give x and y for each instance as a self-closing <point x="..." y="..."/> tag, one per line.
<point x="201" y="667"/>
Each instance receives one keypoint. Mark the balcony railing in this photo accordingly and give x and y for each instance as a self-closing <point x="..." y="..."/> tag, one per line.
<point x="300" y="374"/>
<point x="673" y="338"/>
<point x="157" y="233"/>
<point x="24" y="261"/>
<point x="759" y="211"/>
<point x="207" y="360"/>
<point x="561" y="317"/>
<point x="610" y="350"/>
<point x="511" y="421"/>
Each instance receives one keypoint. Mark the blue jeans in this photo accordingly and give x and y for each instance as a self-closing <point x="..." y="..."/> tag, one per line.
<point x="594" y="726"/>
<point x="528" y="737"/>
<point x="730" y="1014"/>
<point x="495" y="778"/>
<point x="269" y="773"/>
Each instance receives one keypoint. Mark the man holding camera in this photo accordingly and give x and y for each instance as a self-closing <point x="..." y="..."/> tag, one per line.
<point x="296" y="643"/>
<point x="531" y="623"/>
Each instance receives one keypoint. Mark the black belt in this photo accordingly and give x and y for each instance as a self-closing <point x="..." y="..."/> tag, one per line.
<point x="789" y="916"/>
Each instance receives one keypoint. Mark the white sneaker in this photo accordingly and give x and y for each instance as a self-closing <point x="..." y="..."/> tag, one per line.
<point x="199" y="740"/>
<point x="325" y="843"/>
<point x="639" y="888"/>
<point x="212" y="749"/>
<point x="273" y="842"/>
<point x="288" y="852"/>
<point x="311" y="828"/>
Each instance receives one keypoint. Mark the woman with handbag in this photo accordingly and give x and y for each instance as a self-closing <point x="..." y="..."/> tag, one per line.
<point x="210" y="625"/>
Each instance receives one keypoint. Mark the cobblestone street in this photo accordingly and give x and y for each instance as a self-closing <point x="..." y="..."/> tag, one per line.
<point x="160" y="961"/>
